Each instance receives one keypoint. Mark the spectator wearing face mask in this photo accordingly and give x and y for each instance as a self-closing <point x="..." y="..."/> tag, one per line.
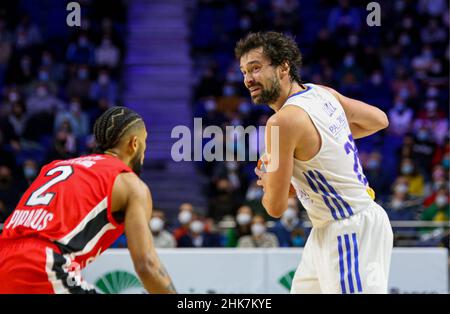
<point x="243" y="226"/>
<point x="104" y="87"/>
<point x="423" y="150"/>
<point x="78" y="120"/>
<point x="400" y="118"/>
<point x="401" y="205"/>
<point x="184" y="218"/>
<point x="376" y="174"/>
<point x="30" y="170"/>
<point x="161" y="237"/>
<point x="43" y="101"/>
<point x="288" y="229"/>
<point x="259" y="238"/>
<point x="439" y="210"/>
<point x="82" y="51"/>
<point x="107" y="54"/>
<point x="414" y="178"/>
<point x="198" y="237"/>
<point x="79" y="84"/>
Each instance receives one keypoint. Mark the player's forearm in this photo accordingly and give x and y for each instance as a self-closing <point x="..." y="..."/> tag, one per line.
<point x="154" y="276"/>
<point x="360" y="132"/>
<point x="366" y="120"/>
<point x="275" y="206"/>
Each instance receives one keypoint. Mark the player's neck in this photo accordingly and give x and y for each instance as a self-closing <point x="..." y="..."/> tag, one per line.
<point x="293" y="88"/>
<point x="118" y="155"/>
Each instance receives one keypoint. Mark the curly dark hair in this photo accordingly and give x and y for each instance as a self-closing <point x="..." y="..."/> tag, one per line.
<point x="278" y="47"/>
<point x="112" y="125"/>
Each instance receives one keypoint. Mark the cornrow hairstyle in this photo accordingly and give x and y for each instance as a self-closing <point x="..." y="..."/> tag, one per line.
<point x="112" y="125"/>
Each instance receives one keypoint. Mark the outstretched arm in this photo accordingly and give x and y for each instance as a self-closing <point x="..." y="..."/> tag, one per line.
<point x="364" y="119"/>
<point x="138" y="208"/>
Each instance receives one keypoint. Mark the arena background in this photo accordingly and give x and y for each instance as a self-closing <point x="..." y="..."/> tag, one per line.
<point x="172" y="61"/>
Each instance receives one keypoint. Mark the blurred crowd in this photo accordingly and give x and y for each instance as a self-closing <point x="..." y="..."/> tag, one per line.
<point x="53" y="85"/>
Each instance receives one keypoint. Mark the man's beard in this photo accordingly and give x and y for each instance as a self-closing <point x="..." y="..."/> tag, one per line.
<point x="269" y="95"/>
<point x="136" y="164"/>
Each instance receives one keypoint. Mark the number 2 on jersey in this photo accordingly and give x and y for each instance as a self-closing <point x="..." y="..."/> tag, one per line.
<point x="39" y="197"/>
<point x="351" y="147"/>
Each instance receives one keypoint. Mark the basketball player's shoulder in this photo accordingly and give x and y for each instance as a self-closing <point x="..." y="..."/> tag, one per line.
<point x="130" y="182"/>
<point x="290" y="118"/>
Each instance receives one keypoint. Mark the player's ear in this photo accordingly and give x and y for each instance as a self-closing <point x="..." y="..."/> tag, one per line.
<point x="133" y="144"/>
<point x="284" y="69"/>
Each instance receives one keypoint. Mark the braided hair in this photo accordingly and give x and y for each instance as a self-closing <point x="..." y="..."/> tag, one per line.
<point x="112" y="125"/>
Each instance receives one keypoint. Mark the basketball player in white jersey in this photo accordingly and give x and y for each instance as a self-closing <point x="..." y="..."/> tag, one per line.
<point x="349" y="248"/>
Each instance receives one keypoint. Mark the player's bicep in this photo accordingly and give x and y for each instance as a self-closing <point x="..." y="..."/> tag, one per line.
<point x="281" y="142"/>
<point x="137" y="216"/>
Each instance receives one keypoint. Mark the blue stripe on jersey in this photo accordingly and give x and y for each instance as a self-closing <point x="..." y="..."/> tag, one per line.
<point x="349" y="263"/>
<point x="333" y="191"/>
<point x="341" y="265"/>
<point x="324" y="197"/>
<point x="322" y="188"/>
<point x="355" y="251"/>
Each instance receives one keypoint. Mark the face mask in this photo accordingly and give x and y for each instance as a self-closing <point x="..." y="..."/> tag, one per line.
<point x="289" y="219"/>
<point x="231" y="166"/>
<point x="373" y="164"/>
<point x="82" y="74"/>
<point x="441" y="201"/>
<point x="75" y="107"/>
<point x="407" y="169"/>
<point x="245" y="23"/>
<point x="228" y="90"/>
<point x="401" y="188"/>
<point x="210" y="105"/>
<point x="83" y="42"/>
<point x="396" y="204"/>
<point x="422" y="135"/>
<point x="197" y="226"/>
<point x="243" y="219"/>
<point x="376" y="79"/>
<point x="41" y="92"/>
<point x="404" y="40"/>
<point x="258" y="229"/>
<point x="103" y="79"/>
<point x="13" y="97"/>
<point x="156" y="224"/>
<point x="29" y="172"/>
<point x="349" y="61"/>
<point x="403" y="93"/>
<point x="432" y="92"/>
<point x="184" y="217"/>
<point x="43" y="76"/>
<point x="431" y="105"/>
<point x="244" y="108"/>
<point x="46" y="60"/>
<point x="290" y="213"/>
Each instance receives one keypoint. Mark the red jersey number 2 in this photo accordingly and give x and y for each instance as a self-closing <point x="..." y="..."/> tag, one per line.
<point x="39" y="197"/>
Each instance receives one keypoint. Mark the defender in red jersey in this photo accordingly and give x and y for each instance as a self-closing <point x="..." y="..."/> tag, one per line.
<point x="76" y="208"/>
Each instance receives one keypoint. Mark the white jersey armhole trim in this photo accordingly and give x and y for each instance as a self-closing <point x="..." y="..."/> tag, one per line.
<point x="317" y="129"/>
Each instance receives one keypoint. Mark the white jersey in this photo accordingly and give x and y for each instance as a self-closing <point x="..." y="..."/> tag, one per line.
<point x="331" y="186"/>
